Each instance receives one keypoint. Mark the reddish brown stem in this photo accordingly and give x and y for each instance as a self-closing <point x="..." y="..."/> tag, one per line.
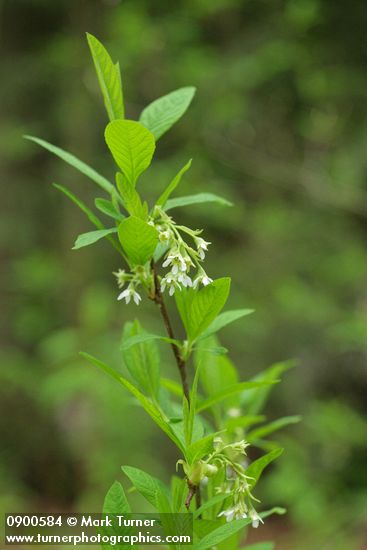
<point x="158" y="298"/>
<point x="192" y="492"/>
<point x="181" y="364"/>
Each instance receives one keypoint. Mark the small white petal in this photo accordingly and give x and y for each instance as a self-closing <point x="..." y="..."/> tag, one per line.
<point x="123" y="294"/>
<point x="137" y="298"/>
<point x="167" y="262"/>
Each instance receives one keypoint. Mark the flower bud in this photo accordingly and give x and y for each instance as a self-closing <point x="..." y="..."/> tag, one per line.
<point x="210" y="470"/>
<point x="197" y="472"/>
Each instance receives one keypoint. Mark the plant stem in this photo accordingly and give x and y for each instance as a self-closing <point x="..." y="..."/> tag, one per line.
<point x="181" y="364"/>
<point x="198" y="498"/>
<point x="192" y="492"/>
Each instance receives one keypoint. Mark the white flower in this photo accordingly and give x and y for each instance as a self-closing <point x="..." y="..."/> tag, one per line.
<point x="129" y="293"/>
<point x="184" y="279"/>
<point x="255" y="518"/>
<point x="178" y="262"/>
<point x="202" y="246"/>
<point x="206" y="280"/>
<point x="170" y="282"/>
<point x="233" y="513"/>
<point x="228" y="514"/>
<point x="203" y="279"/>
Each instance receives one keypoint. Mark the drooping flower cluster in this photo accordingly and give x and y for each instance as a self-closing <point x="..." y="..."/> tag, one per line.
<point x="237" y="484"/>
<point x="179" y="258"/>
<point x="229" y="457"/>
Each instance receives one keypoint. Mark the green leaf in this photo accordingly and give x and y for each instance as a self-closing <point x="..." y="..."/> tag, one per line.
<point x="116" y="501"/>
<point x="203" y="527"/>
<point x="260" y="546"/>
<point x="217" y="350"/>
<point x="186" y="419"/>
<point x="138" y="239"/>
<point x="132" y="146"/>
<point x="90" y="215"/>
<point x="231" y="390"/>
<point x="172" y="386"/>
<point x="162" y="113"/>
<point x="85" y="239"/>
<point x="224" y="319"/>
<point x="195" y="199"/>
<point x="142" y="360"/>
<point x="205" y="306"/>
<point x="256" y="468"/>
<point x="272" y="427"/>
<point x="178" y="491"/>
<point x="148" y="486"/>
<point x="154" y="413"/>
<point x="106" y="368"/>
<point x="190" y="417"/>
<point x="217" y="372"/>
<point x="78" y="164"/>
<point x="146" y="337"/>
<point x="109" y="78"/>
<point x="183" y="301"/>
<point x="200" y="448"/>
<point x="172" y="186"/>
<point x="107" y="207"/>
<point x="131" y="198"/>
<point x="221" y="533"/>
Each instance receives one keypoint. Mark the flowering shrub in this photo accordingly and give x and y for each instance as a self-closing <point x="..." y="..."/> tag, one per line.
<point x="210" y="420"/>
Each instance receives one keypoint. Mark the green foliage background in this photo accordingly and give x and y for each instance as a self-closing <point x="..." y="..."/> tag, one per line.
<point x="279" y="127"/>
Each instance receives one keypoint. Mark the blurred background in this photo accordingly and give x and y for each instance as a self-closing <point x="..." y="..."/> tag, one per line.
<point x="279" y="127"/>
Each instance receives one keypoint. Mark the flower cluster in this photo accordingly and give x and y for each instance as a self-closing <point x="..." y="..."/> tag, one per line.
<point x="179" y="258"/>
<point x="229" y="457"/>
<point x="237" y="483"/>
<point x="138" y="276"/>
